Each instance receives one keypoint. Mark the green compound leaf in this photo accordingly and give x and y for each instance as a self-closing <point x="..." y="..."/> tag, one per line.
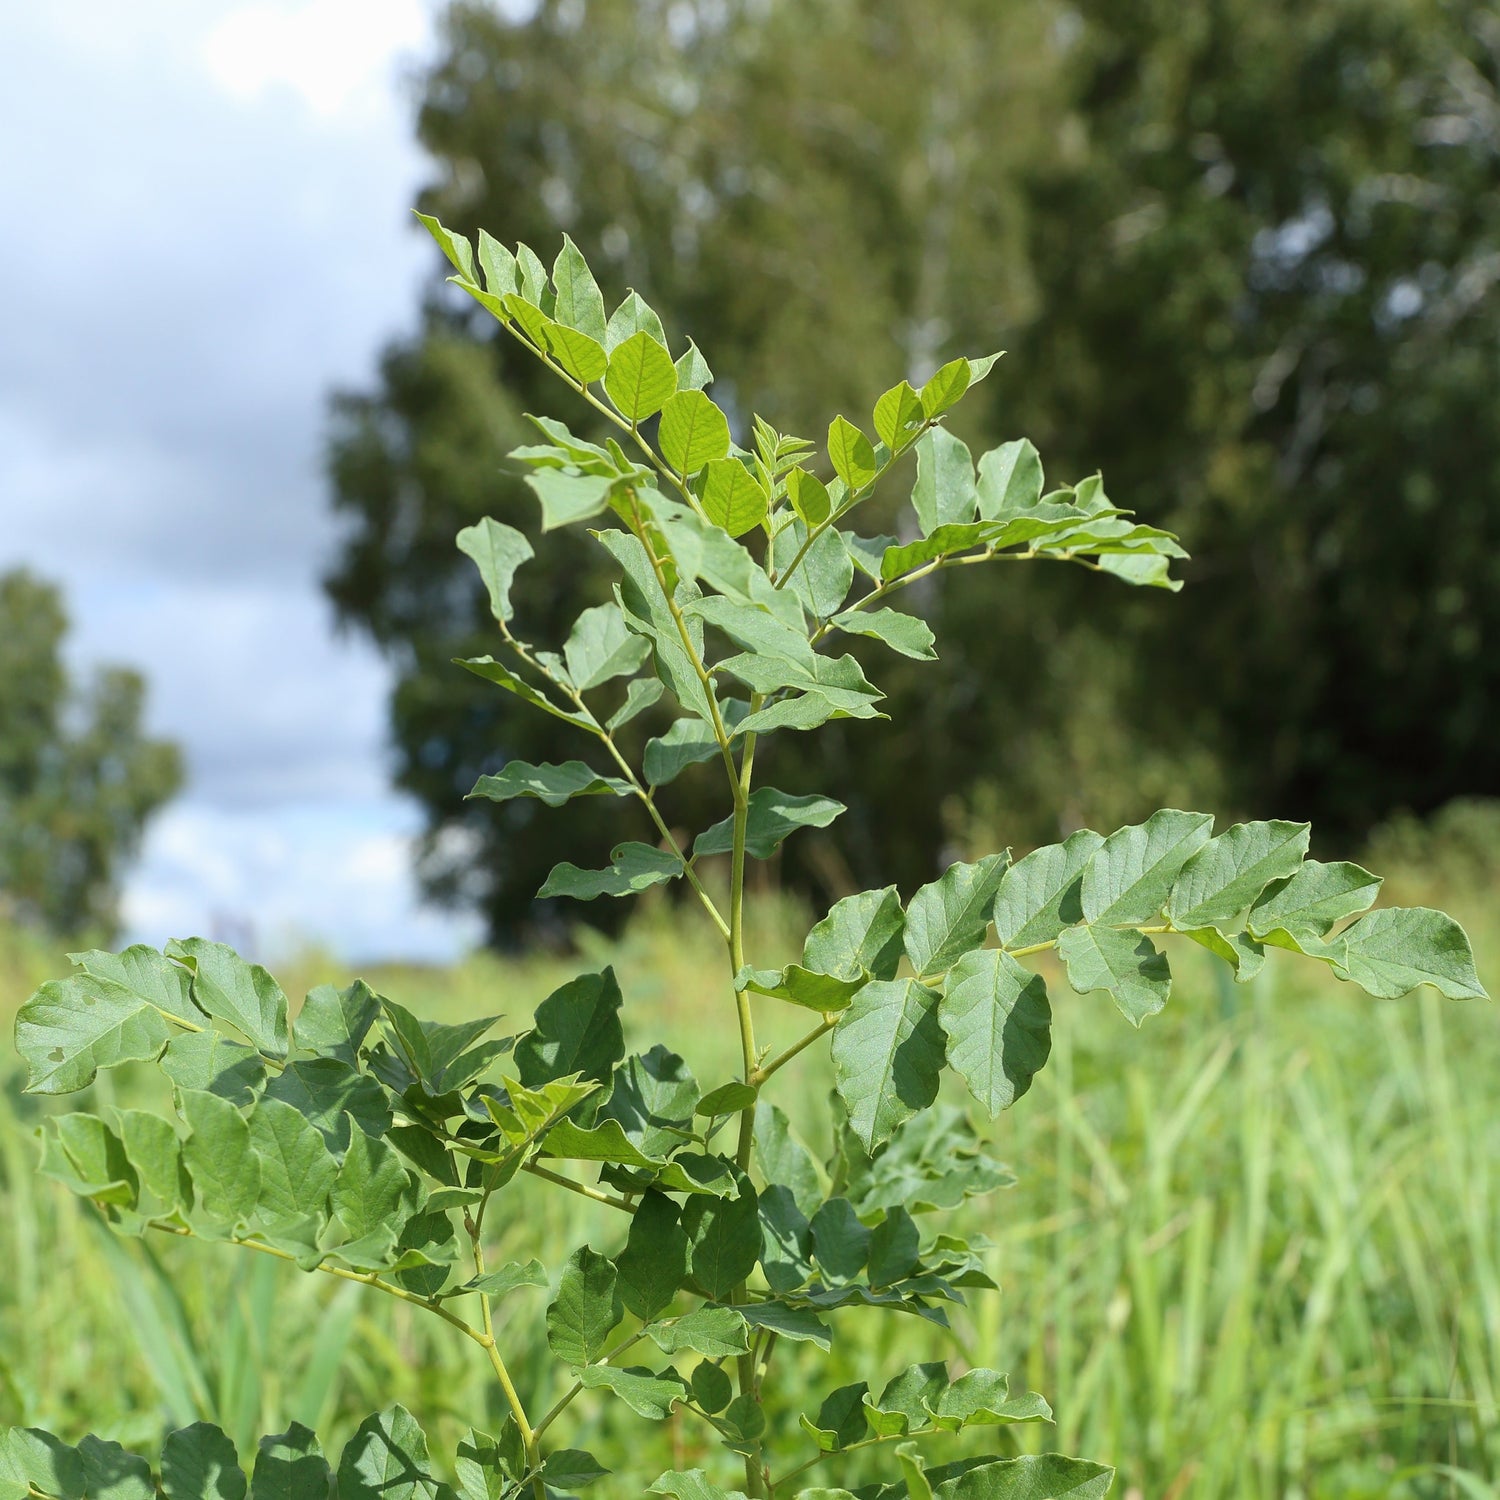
<point x="999" y="1026"/>
<point x="944" y="493"/>
<point x="600" y="647"/>
<point x="386" y="1459"/>
<point x="809" y="497"/>
<point x="296" y="1167"/>
<point x="507" y="1279"/>
<point x="567" y="498"/>
<point x="1123" y="962"/>
<point x="724" y="1239"/>
<point x="501" y="675"/>
<point x="715" y="1332"/>
<point x="899" y="415"/>
<point x="901" y="632"/>
<point x="210" y="1061"/>
<point x="784" y="1159"/>
<point x="860" y="936"/>
<point x="1030" y="1478"/>
<point x="200" y="1463"/>
<point x="1314" y="900"/>
<point x="639" y="696"/>
<point x="633" y="316"/>
<point x="154" y="1149"/>
<point x="851" y="455"/>
<point x="772" y="816"/>
<point x="691" y="1484"/>
<point x="501" y="274"/>
<point x="1010" y="480"/>
<point x="1390" y="952"/>
<point x="586" y="1309"/>
<point x="498" y="550"/>
<point x="732" y="496"/>
<point x="372" y="1191"/>
<point x="1229" y="872"/>
<point x="947" y="918"/>
<point x="150" y="975"/>
<point x="652" y="1100"/>
<point x="727" y="1099"/>
<point x="1241" y="952"/>
<point x="455" y="246"/>
<point x="329" y="1094"/>
<point x="840" y="1242"/>
<point x="577" y="1032"/>
<point x="712" y="1388"/>
<point x="640" y="377"/>
<point x="580" y="356"/>
<point x="217" y="1155"/>
<point x="1131" y="875"/>
<point x="30" y="1457"/>
<point x="487" y="1469"/>
<point x="887" y="1054"/>
<point x="70" y="1028"/>
<point x="551" y="784"/>
<point x="110" y="1473"/>
<point x="801" y="1325"/>
<point x="841" y="1418"/>
<point x="580" y="304"/>
<point x="945" y="388"/>
<point x="648" y="1393"/>
<point x="1043" y="893"/>
<point x="693" y="432"/>
<point x="335" y="1022"/>
<point x="572" y="1469"/>
<point x="229" y="989"/>
<point x="801" y="986"/>
<point x="633" y="867"/>
<point x="654" y="1263"/>
<point x="693" y="372"/>
<point x="903" y="1404"/>
<point x="290" y="1466"/>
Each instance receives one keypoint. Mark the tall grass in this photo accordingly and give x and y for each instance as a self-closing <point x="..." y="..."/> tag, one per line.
<point x="1254" y="1250"/>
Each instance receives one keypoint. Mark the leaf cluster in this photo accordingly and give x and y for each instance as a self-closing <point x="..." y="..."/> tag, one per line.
<point x="357" y="1140"/>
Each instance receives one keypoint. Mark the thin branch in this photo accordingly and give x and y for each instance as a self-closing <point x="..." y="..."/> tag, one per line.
<point x="581" y="1188"/>
<point x="777" y="1063"/>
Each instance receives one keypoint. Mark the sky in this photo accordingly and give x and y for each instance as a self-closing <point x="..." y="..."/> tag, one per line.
<point x="207" y="230"/>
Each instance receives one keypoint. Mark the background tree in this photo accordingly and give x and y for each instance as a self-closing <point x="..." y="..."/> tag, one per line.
<point x="1242" y="255"/>
<point x="78" y="778"/>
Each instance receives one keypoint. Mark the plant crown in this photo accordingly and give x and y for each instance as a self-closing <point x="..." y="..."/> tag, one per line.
<point x="361" y="1142"/>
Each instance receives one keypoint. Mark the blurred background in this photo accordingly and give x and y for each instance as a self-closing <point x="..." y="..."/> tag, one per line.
<point x="1244" y="256"/>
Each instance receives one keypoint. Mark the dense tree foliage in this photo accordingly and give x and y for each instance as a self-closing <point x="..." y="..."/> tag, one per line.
<point x="1243" y="257"/>
<point x="78" y="777"/>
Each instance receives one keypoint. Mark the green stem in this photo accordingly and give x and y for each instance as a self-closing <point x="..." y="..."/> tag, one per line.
<point x="814" y="532"/>
<point x="637" y="787"/>
<point x="364" y="1278"/>
<point x="512" y="1397"/>
<point x="778" y="1062"/>
<point x="607" y="412"/>
<point x="581" y="1188"/>
<point x="576" y="1389"/>
<point x="884" y="590"/>
<point x="871" y="1442"/>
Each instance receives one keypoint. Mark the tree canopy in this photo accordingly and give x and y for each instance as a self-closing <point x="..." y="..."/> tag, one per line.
<point x="78" y="776"/>
<point x="1243" y="256"/>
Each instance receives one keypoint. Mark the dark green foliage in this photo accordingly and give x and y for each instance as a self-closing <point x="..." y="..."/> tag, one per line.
<point x="79" y="779"/>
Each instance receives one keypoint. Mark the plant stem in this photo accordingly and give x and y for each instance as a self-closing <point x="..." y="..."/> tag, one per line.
<point x="573" y="1391"/>
<point x="778" y="1062"/>
<point x="639" y="789"/>
<point x="582" y="1188"/>
<point x="802" y="1468"/>
<point x="512" y="1397"/>
<point x="364" y="1278"/>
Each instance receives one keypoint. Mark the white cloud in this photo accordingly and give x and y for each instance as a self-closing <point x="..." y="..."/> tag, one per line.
<point x="306" y="873"/>
<point x="215" y="232"/>
<point x="333" y="54"/>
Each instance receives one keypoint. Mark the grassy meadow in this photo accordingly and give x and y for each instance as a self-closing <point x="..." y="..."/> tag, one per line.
<point x="1254" y="1249"/>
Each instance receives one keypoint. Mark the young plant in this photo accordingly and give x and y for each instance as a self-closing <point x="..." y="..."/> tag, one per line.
<point x="359" y="1142"/>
